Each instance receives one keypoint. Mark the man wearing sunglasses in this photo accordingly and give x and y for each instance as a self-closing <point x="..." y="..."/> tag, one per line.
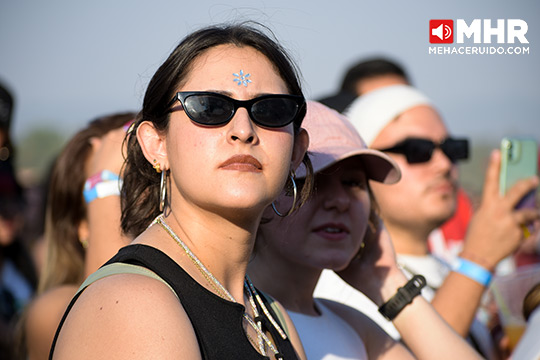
<point x="404" y="123"/>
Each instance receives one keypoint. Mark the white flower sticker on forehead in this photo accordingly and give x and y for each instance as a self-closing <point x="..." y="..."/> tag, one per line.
<point x="241" y="78"/>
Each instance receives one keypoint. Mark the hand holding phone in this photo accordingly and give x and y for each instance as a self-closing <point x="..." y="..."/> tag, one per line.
<point x="519" y="160"/>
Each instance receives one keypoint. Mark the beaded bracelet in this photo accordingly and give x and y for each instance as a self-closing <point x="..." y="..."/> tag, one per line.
<point x="403" y="297"/>
<point x="472" y="271"/>
<point x="100" y="185"/>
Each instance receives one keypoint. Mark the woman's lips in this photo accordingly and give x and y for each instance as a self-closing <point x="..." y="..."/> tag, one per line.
<point x="242" y="163"/>
<point x="331" y="231"/>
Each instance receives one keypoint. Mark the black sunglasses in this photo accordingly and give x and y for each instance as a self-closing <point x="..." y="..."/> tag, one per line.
<point x="418" y="150"/>
<point x="214" y="109"/>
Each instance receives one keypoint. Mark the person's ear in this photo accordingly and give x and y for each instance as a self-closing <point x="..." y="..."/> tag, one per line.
<point x="153" y="145"/>
<point x="83" y="231"/>
<point x="301" y="143"/>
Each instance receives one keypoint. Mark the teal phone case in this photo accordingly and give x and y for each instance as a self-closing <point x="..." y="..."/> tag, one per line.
<point x="519" y="160"/>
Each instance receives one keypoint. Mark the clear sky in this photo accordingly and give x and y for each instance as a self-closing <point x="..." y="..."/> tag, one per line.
<point x="68" y="61"/>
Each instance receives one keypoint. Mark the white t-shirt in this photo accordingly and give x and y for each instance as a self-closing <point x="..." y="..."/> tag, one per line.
<point x="328" y="337"/>
<point x="332" y="287"/>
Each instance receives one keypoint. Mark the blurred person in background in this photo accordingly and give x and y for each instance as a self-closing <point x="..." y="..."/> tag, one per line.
<point x="6" y="111"/>
<point x="363" y="77"/>
<point x="82" y="228"/>
<point x="17" y="271"/>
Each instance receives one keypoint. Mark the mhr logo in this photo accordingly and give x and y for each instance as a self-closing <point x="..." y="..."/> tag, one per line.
<point x="505" y="31"/>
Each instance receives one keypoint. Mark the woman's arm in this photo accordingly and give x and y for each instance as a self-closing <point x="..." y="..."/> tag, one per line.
<point x="422" y="329"/>
<point x="127" y="316"/>
<point x="426" y="333"/>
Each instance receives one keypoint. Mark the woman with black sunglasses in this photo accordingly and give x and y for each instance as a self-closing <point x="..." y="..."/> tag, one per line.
<point x="217" y="140"/>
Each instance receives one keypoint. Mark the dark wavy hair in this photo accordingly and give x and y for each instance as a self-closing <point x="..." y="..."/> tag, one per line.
<point x="140" y="192"/>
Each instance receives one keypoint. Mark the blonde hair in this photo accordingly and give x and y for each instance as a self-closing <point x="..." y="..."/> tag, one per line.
<point x="66" y="208"/>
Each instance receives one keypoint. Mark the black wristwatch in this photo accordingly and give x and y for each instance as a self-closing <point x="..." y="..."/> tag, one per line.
<point x="403" y="297"/>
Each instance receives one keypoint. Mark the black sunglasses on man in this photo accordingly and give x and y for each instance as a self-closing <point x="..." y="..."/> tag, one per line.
<point x="418" y="150"/>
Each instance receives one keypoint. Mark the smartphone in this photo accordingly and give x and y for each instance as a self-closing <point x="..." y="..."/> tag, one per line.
<point x="519" y="160"/>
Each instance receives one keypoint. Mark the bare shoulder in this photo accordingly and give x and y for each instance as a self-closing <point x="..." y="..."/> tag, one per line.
<point x="42" y="319"/>
<point x="127" y="316"/>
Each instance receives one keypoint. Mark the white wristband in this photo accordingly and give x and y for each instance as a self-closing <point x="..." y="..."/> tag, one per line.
<point x="103" y="189"/>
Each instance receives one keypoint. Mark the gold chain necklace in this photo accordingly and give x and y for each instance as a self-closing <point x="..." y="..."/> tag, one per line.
<point x="225" y="294"/>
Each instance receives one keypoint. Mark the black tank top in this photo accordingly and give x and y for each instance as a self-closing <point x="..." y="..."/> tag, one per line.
<point x="216" y="321"/>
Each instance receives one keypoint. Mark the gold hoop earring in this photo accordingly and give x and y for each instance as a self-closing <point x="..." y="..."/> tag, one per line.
<point x="84" y="243"/>
<point x="295" y="190"/>
<point x="360" y="252"/>
<point x="157" y="166"/>
<point x="163" y="191"/>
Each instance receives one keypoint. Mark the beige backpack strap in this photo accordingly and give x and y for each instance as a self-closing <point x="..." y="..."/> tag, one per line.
<point x="277" y="310"/>
<point x="121" y="268"/>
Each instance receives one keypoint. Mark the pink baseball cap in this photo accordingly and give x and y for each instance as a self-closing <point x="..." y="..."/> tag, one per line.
<point x="333" y="138"/>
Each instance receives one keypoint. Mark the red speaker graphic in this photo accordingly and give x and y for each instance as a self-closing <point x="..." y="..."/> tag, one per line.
<point x="441" y="31"/>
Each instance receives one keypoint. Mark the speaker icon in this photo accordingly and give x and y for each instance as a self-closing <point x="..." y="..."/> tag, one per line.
<point x="441" y="31"/>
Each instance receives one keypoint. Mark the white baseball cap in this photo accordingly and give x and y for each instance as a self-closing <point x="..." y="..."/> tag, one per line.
<point x="371" y="112"/>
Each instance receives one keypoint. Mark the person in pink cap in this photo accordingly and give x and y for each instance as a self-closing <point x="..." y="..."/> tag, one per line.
<point x="337" y="229"/>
